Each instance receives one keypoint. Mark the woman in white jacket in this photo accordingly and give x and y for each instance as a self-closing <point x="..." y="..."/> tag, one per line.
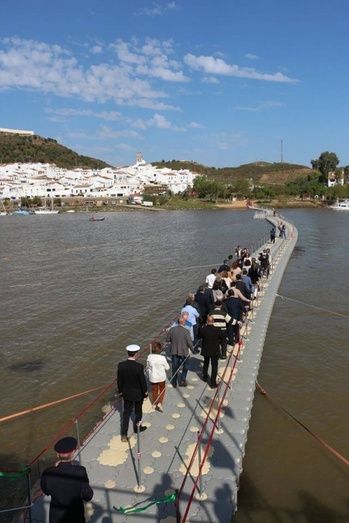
<point x="157" y="366"/>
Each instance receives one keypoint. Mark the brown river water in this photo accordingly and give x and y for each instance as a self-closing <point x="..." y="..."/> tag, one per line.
<point x="74" y="293"/>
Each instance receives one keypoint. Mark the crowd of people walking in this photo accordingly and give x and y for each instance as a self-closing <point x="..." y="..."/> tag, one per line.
<point x="209" y="322"/>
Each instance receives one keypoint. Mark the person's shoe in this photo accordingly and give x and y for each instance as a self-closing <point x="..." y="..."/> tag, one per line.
<point x="142" y="428"/>
<point x="159" y="408"/>
<point x="174" y="385"/>
<point x="214" y="385"/>
<point x="124" y="439"/>
<point x="204" y="378"/>
<point x="183" y="383"/>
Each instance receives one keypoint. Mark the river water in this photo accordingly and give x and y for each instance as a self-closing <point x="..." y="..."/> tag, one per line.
<point x="74" y="293"/>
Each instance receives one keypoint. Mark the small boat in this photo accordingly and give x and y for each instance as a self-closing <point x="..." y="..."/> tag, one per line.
<point x="340" y="205"/>
<point x="23" y="212"/>
<point x="45" y="211"/>
<point x="94" y="219"/>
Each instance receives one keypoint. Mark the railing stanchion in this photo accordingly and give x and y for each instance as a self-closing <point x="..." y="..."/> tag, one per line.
<point x="199" y="464"/>
<point x="29" y="495"/>
<point x="139" y="483"/>
<point x="218" y="403"/>
<point x="76" y="421"/>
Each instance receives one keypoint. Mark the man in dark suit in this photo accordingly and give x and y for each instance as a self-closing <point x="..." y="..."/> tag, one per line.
<point x="212" y="339"/>
<point x="67" y="484"/>
<point x="133" y="389"/>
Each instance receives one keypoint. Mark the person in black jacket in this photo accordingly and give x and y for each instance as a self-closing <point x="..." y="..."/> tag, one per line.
<point x="133" y="389"/>
<point x="235" y="309"/>
<point x="212" y="339"/>
<point x="205" y="302"/>
<point x="67" y="484"/>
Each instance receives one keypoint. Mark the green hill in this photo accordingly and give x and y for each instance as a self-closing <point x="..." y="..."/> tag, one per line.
<point x="260" y="172"/>
<point x="24" y="149"/>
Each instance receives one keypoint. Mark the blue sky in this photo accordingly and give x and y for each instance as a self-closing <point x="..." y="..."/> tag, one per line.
<point x="219" y="82"/>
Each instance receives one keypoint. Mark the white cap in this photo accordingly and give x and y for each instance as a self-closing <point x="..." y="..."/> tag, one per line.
<point x="133" y="348"/>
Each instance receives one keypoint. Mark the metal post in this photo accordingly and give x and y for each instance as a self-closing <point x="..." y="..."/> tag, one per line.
<point x="218" y="418"/>
<point x="78" y="437"/>
<point x="150" y="348"/>
<point x="178" y="513"/>
<point x="138" y="455"/>
<point x="29" y="488"/>
<point x="199" y="459"/>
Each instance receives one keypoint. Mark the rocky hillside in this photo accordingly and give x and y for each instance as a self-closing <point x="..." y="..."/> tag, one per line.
<point x="23" y="149"/>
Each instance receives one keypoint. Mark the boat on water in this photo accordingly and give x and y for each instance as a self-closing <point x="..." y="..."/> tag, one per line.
<point x="23" y="212"/>
<point x="45" y="211"/>
<point x="340" y="205"/>
<point x="94" y="219"/>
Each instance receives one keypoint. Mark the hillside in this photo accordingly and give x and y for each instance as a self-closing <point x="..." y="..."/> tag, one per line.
<point x="23" y="149"/>
<point x="260" y="172"/>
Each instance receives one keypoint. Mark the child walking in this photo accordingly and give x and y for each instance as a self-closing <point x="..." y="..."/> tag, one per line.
<point x="156" y="370"/>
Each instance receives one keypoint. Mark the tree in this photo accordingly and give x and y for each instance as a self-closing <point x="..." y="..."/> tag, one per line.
<point x="326" y="163"/>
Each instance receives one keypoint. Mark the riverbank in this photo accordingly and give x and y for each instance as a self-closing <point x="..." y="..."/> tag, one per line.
<point x="192" y="204"/>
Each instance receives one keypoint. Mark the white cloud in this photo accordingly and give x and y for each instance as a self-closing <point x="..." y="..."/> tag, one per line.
<point x="210" y="80"/>
<point x="159" y="121"/>
<point x="158" y="9"/>
<point x="251" y="56"/>
<point x="217" y="66"/>
<point x="152" y="59"/>
<point x="28" y="64"/>
<point x="67" y="112"/>
<point x="263" y="106"/>
<point x="96" y="49"/>
<point x="103" y="133"/>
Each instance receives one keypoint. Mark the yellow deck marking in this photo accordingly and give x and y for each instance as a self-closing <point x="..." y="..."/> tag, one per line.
<point x="117" y="452"/>
<point x="110" y="483"/>
<point x="195" y="466"/>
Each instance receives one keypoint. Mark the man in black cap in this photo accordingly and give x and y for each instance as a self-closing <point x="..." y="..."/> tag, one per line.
<point x="133" y="389"/>
<point x="67" y="484"/>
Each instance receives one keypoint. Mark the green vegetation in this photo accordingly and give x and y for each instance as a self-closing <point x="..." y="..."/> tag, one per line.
<point x="258" y="172"/>
<point x="326" y="163"/>
<point x="23" y="149"/>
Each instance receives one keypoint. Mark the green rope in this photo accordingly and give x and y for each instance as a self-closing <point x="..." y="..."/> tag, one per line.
<point x="171" y="498"/>
<point x="15" y="475"/>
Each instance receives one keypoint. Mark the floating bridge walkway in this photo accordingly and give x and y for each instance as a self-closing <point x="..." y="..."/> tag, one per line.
<point x="186" y="466"/>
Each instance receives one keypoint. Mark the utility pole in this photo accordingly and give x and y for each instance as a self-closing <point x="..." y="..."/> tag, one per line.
<point x="282" y="151"/>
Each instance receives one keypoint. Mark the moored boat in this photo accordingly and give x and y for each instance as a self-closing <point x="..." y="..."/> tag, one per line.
<point x="340" y="205"/>
<point x="45" y="211"/>
<point x="94" y="219"/>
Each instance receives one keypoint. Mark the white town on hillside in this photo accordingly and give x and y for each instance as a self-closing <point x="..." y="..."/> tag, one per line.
<point x="19" y="180"/>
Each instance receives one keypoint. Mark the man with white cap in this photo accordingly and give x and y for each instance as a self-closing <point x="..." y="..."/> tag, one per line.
<point x="67" y="484"/>
<point x="133" y="389"/>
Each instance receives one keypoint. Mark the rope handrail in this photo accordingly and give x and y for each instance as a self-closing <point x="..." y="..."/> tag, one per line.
<point x="49" y="404"/>
<point x="214" y="425"/>
<point x="320" y="440"/>
<point x="87" y="407"/>
<point x="208" y="444"/>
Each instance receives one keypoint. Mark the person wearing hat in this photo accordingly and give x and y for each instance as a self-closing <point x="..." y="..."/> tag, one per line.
<point x="68" y="485"/>
<point x="133" y="389"/>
